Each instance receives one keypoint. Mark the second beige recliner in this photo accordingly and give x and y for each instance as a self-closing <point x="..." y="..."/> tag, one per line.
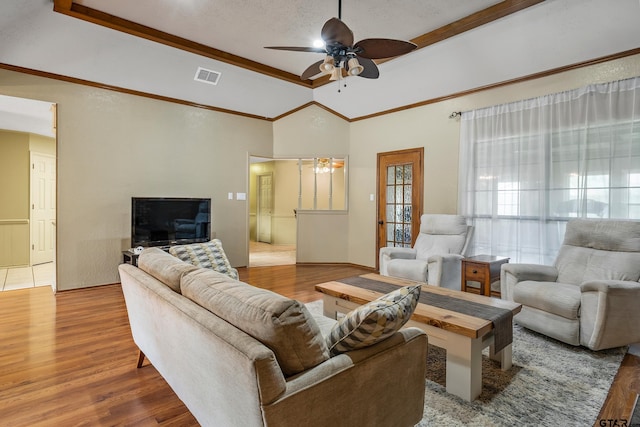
<point x="591" y="294"/>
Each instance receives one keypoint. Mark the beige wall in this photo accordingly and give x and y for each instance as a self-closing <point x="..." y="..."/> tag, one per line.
<point x="311" y="132"/>
<point x="14" y="198"/>
<point x="112" y="146"/>
<point x="42" y="144"/>
<point x="14" y="175"/>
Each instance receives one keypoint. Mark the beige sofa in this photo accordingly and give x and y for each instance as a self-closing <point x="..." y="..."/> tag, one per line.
<point x="262" y="359"/>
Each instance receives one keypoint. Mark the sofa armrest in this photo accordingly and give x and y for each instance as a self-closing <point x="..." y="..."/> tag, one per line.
<point x="390" y="253"/>
<point x="381" y="385"/>
<point x="623" y="287"/>
<point x="511" y="274"/>
<point x="445" y="270"/>
<point x="412" y="269"/>
<point x="609" y="315"/>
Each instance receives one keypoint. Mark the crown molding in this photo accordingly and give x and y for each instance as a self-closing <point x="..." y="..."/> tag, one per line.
<point x="76" y="80"/>
<point x="308" y="104"/>
<point x="534" y="76"/>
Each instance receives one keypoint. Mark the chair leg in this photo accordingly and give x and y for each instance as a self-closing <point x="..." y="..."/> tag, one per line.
<point x="140" y="358"/>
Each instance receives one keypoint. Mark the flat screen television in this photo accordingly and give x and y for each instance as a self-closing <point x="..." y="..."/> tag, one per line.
<point x="167" y="221"/>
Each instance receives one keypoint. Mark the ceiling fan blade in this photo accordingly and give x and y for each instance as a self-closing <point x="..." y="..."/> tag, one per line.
<point x="298" y="49"/>
<point x="383" y="48"/>
<point x="312" y="70"/>
<point x="370" y="68"/>
<point x="335" y="31"/>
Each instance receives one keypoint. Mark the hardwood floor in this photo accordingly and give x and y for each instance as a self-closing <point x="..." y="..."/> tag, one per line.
<point x="68" y="359"/>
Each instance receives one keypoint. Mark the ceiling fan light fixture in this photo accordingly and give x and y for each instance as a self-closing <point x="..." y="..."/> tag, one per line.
<point x="354" y="67"/>
<point x="341" y="52"/>
<point x="336" y="73"/>
<point x="327" y="65"/>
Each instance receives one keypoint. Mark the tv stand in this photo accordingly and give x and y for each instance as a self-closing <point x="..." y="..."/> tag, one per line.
<point x="129" y="257"/>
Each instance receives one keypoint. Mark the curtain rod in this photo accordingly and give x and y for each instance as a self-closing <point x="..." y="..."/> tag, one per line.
<point x="455" y="114"/>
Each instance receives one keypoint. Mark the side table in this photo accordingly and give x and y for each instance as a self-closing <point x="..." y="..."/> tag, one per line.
<point x="484" y="269"/>
<point x="129" y="257"/>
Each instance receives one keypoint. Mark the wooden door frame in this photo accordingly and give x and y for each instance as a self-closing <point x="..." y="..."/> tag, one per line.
<point x="417" y="194"/>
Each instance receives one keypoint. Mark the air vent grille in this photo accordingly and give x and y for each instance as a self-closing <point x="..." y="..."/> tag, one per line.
<point x="207" y="76"/>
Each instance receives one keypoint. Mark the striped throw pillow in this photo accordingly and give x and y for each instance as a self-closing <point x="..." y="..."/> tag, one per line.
<point x="206" y="255"/>
<point x="374" y="321"/>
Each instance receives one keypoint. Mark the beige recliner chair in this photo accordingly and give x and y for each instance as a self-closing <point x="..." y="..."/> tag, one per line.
<point x="591" y="295"/>
<point x="436" y="255"/>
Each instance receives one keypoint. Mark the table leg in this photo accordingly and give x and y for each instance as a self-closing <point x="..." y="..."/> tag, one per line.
<point x="464" y="367"/>
<point x="329" y="307"/>
<point x="504" y="356"/>
<point x="486" y="284"/>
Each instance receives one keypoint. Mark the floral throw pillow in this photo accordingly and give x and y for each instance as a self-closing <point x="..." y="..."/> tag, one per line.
<point x="374" y="321"/>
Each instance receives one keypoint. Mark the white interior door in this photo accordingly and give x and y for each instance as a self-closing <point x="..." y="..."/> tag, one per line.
<point x="265" y="207"/>
<point x="43" y="207"/>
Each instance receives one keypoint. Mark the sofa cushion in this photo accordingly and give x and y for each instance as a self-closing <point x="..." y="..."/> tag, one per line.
<point x="164" y="267"/>
<point x="282" y="324"/>
<point x="205" y="255"/>
<point x="561" y="299"/>
<point x="374" y="321"/>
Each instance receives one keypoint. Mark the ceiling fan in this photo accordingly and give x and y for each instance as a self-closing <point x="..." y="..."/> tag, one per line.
<point x="342" y="54"/>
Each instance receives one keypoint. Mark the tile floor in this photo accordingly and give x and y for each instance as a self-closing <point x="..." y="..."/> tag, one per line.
<point x="28" y="277"/>
<point x="265" y="254"/>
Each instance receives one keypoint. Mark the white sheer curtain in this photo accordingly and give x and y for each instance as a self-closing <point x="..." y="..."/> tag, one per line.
<point x="527" y="167"/>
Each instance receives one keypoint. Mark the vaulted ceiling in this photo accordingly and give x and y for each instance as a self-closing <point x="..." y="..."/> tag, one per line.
<point x="156" y="46"/>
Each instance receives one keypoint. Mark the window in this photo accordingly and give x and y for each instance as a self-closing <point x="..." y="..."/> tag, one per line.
<point x="322" y="183"/>
<point x="528" y="167"/>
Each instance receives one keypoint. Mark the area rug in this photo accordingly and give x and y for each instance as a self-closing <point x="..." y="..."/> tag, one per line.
<point x="549" y="384"/>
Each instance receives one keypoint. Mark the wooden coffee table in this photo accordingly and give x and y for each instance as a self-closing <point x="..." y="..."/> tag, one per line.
<point x="462" y="336"/>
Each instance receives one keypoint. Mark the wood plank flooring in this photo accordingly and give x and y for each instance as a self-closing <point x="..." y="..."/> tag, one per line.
<point x="68" y="359"/>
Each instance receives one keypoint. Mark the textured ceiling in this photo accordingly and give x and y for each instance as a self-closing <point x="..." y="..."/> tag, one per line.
<point x="243" y="28"/>
<point x="549" y="35"/>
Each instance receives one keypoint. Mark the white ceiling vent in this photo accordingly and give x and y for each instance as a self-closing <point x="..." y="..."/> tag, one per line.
<point x="207" y="76"/>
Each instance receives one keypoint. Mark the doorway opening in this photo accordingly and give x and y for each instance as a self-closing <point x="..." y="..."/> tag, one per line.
<point x="282" y="193"/>
<point x="28" y="152"/>
<point x="272" y="220"/>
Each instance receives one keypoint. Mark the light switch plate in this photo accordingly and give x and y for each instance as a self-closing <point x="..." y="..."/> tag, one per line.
<point x="241" y="196"/>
